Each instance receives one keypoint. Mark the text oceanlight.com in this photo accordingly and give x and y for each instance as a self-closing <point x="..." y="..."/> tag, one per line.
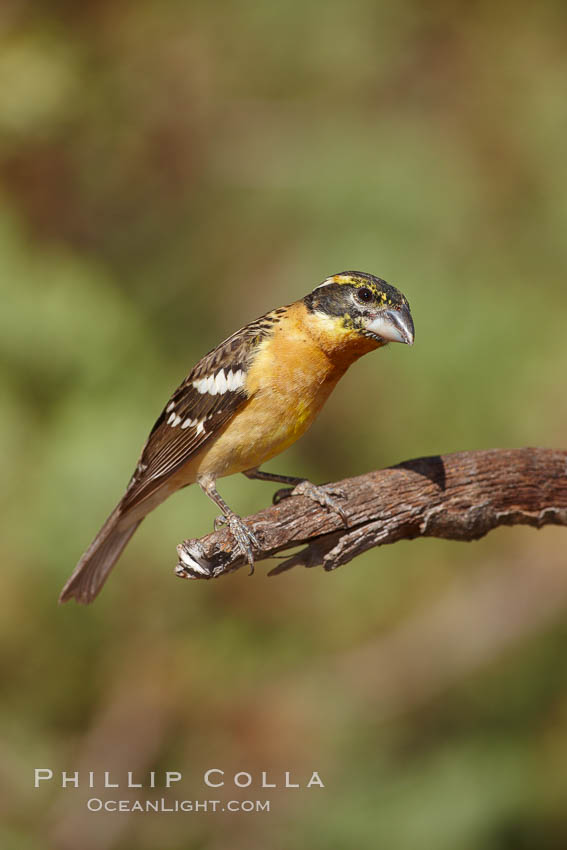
<point x="96" y="782"/>
<point x="95" y="804"/>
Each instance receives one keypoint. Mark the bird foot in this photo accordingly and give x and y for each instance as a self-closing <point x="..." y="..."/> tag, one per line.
<point x="322" y="495"/>
<point x="244" y="537"/>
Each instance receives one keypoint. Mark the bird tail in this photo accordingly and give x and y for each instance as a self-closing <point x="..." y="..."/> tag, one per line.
<point x="92" y="570"/>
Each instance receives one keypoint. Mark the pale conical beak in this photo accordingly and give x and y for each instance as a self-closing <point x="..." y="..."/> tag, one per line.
<point x="394" y="325"/>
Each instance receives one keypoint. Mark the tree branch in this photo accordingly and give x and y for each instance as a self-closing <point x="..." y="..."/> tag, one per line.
<point x="458" y="496"/>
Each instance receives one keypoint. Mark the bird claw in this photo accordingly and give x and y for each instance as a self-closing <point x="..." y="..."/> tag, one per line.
<point x="321" y="495"/>
<point x="244" y="537"/>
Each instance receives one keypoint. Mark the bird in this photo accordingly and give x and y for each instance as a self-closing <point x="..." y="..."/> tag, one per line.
<point x="246" y="401"/>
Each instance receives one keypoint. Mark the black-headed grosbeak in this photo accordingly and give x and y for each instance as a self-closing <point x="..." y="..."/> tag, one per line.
<point x="244" y="402"/>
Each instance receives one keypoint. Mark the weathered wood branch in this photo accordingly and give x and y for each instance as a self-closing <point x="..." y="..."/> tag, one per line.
<point x="458" y="496"/>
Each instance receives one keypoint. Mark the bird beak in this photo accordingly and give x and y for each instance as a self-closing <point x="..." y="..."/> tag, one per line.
<point x="394" y="325"/>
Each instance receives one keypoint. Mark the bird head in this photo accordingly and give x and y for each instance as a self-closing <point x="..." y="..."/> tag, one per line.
<point x="363" y="305"/>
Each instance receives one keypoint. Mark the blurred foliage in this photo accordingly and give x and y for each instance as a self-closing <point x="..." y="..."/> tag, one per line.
<point x="169" y="172"/>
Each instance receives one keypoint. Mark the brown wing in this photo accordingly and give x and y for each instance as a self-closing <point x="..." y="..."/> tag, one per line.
<point x="208" y="397"/>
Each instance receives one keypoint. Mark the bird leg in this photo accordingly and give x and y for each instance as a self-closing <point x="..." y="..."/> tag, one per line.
<point x="237" y="527"/>
<point x="302" y="487"/>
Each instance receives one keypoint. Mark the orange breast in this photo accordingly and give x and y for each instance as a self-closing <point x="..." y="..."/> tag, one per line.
<point x="292" y="375"/>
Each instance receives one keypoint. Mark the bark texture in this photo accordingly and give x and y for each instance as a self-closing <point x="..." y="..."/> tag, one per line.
<point x="459" y="496"/>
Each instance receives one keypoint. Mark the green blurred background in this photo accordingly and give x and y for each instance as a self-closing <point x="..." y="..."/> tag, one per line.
<point x="169" y="172"/>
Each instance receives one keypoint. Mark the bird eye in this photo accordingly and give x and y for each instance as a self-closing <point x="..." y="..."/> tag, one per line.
<point x="364" y="294"/>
